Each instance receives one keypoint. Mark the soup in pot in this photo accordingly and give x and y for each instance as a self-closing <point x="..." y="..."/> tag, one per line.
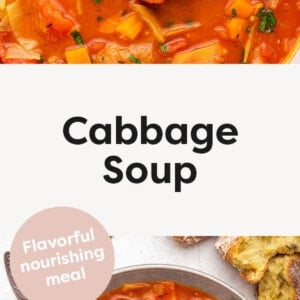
<point x="149" y="31"/>
<point x="160" y="290"/>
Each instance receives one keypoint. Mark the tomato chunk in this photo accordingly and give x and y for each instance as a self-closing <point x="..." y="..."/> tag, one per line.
<point x="58" y="23"/>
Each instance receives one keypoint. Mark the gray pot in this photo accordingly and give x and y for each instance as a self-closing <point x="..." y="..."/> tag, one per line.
<point x="186" y="276"/>
<point x="16" y="290"/>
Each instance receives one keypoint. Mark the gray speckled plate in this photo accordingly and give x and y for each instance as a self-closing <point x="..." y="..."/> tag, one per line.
<point x="186" y="276"/>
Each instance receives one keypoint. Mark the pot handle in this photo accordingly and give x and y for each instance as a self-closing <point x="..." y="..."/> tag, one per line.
<point x="16" y="290"/>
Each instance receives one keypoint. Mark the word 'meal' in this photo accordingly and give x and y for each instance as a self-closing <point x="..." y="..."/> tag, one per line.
<point x="78" y="131"/>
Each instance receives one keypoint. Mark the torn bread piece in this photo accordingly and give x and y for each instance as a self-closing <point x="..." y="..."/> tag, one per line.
<point x="251" y="254"/>
<point x="281" y="281"/>
<point x="189" y="240"/>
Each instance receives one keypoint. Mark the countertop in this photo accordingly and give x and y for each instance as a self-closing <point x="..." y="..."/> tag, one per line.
<point x="134" y="250"/>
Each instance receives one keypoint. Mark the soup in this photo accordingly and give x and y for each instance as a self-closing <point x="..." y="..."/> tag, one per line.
<point x="149" y="31"/>
<point x="160" y="290"/>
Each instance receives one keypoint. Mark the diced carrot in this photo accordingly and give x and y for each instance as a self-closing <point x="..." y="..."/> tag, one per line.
<point x="77" y="55"/>
<point x="236" y="28"/>
<point x="130" y="26"/>
<point x="242" y="8"/>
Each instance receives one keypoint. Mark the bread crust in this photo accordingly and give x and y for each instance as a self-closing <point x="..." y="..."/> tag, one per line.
<point x="189" y="240"/>
<point x="281" y="281"/>
<point x="294" y="273"/>
<point x="251" y="254"/>
<point x="225" y="243"/>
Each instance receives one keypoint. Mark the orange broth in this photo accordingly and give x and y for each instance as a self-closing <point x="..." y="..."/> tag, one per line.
<point x="173" y="31"/>
<point x="161" y="290"/>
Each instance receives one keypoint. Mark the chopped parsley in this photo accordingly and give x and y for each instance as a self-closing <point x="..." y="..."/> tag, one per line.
<point x="77" y="37"/>
<point x="188" y="21"/>
<point x="133" y="59"/>
<point x="169" y="23"/>
<point x="99" y="18"/>
<point x="124" y="13"/>
<point x="233" y="13"/>
<point x="96" y="1"/>
<point x="267" y="20"/>
<point x="163" y="48"/>
<point x="41" y="60"/>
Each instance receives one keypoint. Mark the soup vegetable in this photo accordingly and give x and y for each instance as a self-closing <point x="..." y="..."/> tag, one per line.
<point x="149" y="31"/>
<point x="162" y="290"/>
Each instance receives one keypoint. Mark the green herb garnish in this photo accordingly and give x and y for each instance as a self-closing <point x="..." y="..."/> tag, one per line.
<point x="267" y="20"/>
<point x="99" y="18"/>
<point x="96" y="1"/>
<point x="124" y="13"/>
<point x="233" y="13"/>
<point x="133" y="59"/>
<point x="169" y="23"/>
<point x="188" y="21"/>
<point x="77" y="37"/>
<point x="163" y="48"/>
<point x="41" y="60"/>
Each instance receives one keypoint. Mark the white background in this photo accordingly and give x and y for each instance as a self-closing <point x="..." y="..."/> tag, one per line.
<point x="251" y="187"/>
<point x="247" y="186"/>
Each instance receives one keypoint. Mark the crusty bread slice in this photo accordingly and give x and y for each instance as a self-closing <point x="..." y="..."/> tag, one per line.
<point x="250" y="254"/>
<point x="281" y="281"/>
<point x="189" y="240"/>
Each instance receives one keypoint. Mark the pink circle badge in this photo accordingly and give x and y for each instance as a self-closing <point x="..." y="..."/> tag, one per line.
<point x="62" y="253"/>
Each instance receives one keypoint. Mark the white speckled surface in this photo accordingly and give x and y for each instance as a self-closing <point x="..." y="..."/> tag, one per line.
<point x="134" y="250"/>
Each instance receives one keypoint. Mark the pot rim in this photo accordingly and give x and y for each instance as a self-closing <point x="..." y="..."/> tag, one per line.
<point x="173" y="267"/>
